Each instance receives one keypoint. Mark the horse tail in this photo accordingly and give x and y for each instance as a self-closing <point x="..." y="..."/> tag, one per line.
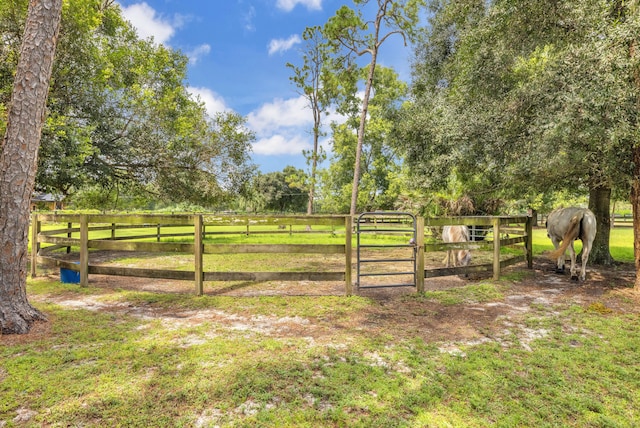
<point x="572" y="233"/>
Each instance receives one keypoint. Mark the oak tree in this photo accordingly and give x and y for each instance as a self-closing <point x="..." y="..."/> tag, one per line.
<point x="520" y="98"/>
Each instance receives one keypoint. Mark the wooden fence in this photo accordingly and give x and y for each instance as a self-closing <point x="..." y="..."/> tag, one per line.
<point x="149" y="233"/>
<point x="491" y="234"/>
<point x="616" y="220"/>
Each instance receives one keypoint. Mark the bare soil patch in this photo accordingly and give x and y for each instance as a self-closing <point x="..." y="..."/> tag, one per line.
<point x="396" y="312"/>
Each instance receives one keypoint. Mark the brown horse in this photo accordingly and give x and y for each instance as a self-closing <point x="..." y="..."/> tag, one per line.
<point x="566" y="225"/>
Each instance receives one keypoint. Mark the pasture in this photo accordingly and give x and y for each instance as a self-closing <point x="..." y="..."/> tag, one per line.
<point x="530" y="349"/>
<point x="387" y="245"/>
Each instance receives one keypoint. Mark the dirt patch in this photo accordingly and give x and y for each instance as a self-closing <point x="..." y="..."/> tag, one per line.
<point x="396" y="312"/>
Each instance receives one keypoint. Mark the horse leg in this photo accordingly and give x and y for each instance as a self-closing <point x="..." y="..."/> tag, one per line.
<point x="572" y="252"/>
<point x="560" y="261"/>
<point x="447" y="259"/>
<point x="586" y="249"/>
<point x="463" y="259"/>
<point x="459" y="257"/>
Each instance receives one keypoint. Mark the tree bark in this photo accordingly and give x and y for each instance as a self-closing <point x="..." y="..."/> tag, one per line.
<point x="361" y="131"/>
<point x="599" y="203"/>
<point x="635" y="204"/>
<point x="314" y="160"/>
<point x="635" y="177"/>
<point x="18" y="161"/>
<point x="382" y="10"/>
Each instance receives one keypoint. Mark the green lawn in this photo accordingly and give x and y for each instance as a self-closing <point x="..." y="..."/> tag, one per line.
<point x="329" y="361"/>
<point x="324" y="361"/>
<point x="113" y="357"/>
<point x="620" y="243"/>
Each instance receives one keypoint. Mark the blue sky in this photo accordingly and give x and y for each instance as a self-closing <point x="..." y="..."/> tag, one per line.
<point x="237" y="53"/>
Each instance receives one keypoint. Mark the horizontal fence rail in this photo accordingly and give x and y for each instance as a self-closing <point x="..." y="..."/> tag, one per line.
<point x="191" y="235"/>
<point x="497" y="232"/>
<point x="145" y="234"/>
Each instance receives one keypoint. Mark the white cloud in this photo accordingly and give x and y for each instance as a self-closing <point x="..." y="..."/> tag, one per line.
<point x="284" y="127"/>
<point x="213" y="102"/>
<point x="282" y="45"/>
<point x="248" y="19"/>
<point x="288" y="5"/>
<point x="279" y="114"/>
<point x="281" y="145"/>
<point x="197" y="53"/>
<point x="144" y="18"/>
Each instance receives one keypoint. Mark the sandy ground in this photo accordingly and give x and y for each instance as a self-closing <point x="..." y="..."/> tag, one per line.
<point x="395" y="311"/>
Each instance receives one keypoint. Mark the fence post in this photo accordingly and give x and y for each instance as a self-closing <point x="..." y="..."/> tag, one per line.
<point x="197" y="251"/>
<point x="84" y="250"/>
<point x="113" y="231"/>
<point x="529" y="243"/>
<point x="69" y="235"/>
<point x="496" y="248"/>
<point x="35" y="245"/>
<point x="158" y="233"/>
<point x="348" y="255"/>
<point x="420" y="254"/>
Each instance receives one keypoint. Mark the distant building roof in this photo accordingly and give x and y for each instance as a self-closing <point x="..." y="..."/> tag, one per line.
<point x="46" y="197"/>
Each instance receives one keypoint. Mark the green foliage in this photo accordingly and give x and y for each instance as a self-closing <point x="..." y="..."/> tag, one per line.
<point x="380" y="168"/>
<point x="351" y="36"/>
<point x="278" y="191"/>
<point x="97" y="197"/>
<point x="310" y="81"/>
<point x="515" y="99"/>
<point x="120" y="116"/>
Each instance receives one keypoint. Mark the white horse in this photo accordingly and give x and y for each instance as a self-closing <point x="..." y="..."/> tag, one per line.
<point x="566" y="225"/>
<point x="456" y="234"/>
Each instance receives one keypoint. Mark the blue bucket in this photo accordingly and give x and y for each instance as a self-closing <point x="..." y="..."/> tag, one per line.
<point x="68" y="276"/>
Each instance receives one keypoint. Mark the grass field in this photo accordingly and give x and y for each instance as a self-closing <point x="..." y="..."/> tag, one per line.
<point x="115" y="357"/>
<point x="620" y="243"/>
<point x="621" y="238"/>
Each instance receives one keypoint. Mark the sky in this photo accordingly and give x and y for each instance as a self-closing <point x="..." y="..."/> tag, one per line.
<point x="238" y="50"/>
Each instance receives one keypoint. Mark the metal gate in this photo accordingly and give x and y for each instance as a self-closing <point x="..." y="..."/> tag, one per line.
<point x="386" y="249"/>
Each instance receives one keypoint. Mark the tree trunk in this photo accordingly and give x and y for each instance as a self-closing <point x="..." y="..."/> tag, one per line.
<point x="361" y="131"/>
<point x="599" y="203"/>
<point x="314" y="159"/>
<point x="382" y="10"/>
<point x="635" y="204"/>
<point x="613" y="215"/>
<point x="635" y="178"/>
<point x="18" y="161"/>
